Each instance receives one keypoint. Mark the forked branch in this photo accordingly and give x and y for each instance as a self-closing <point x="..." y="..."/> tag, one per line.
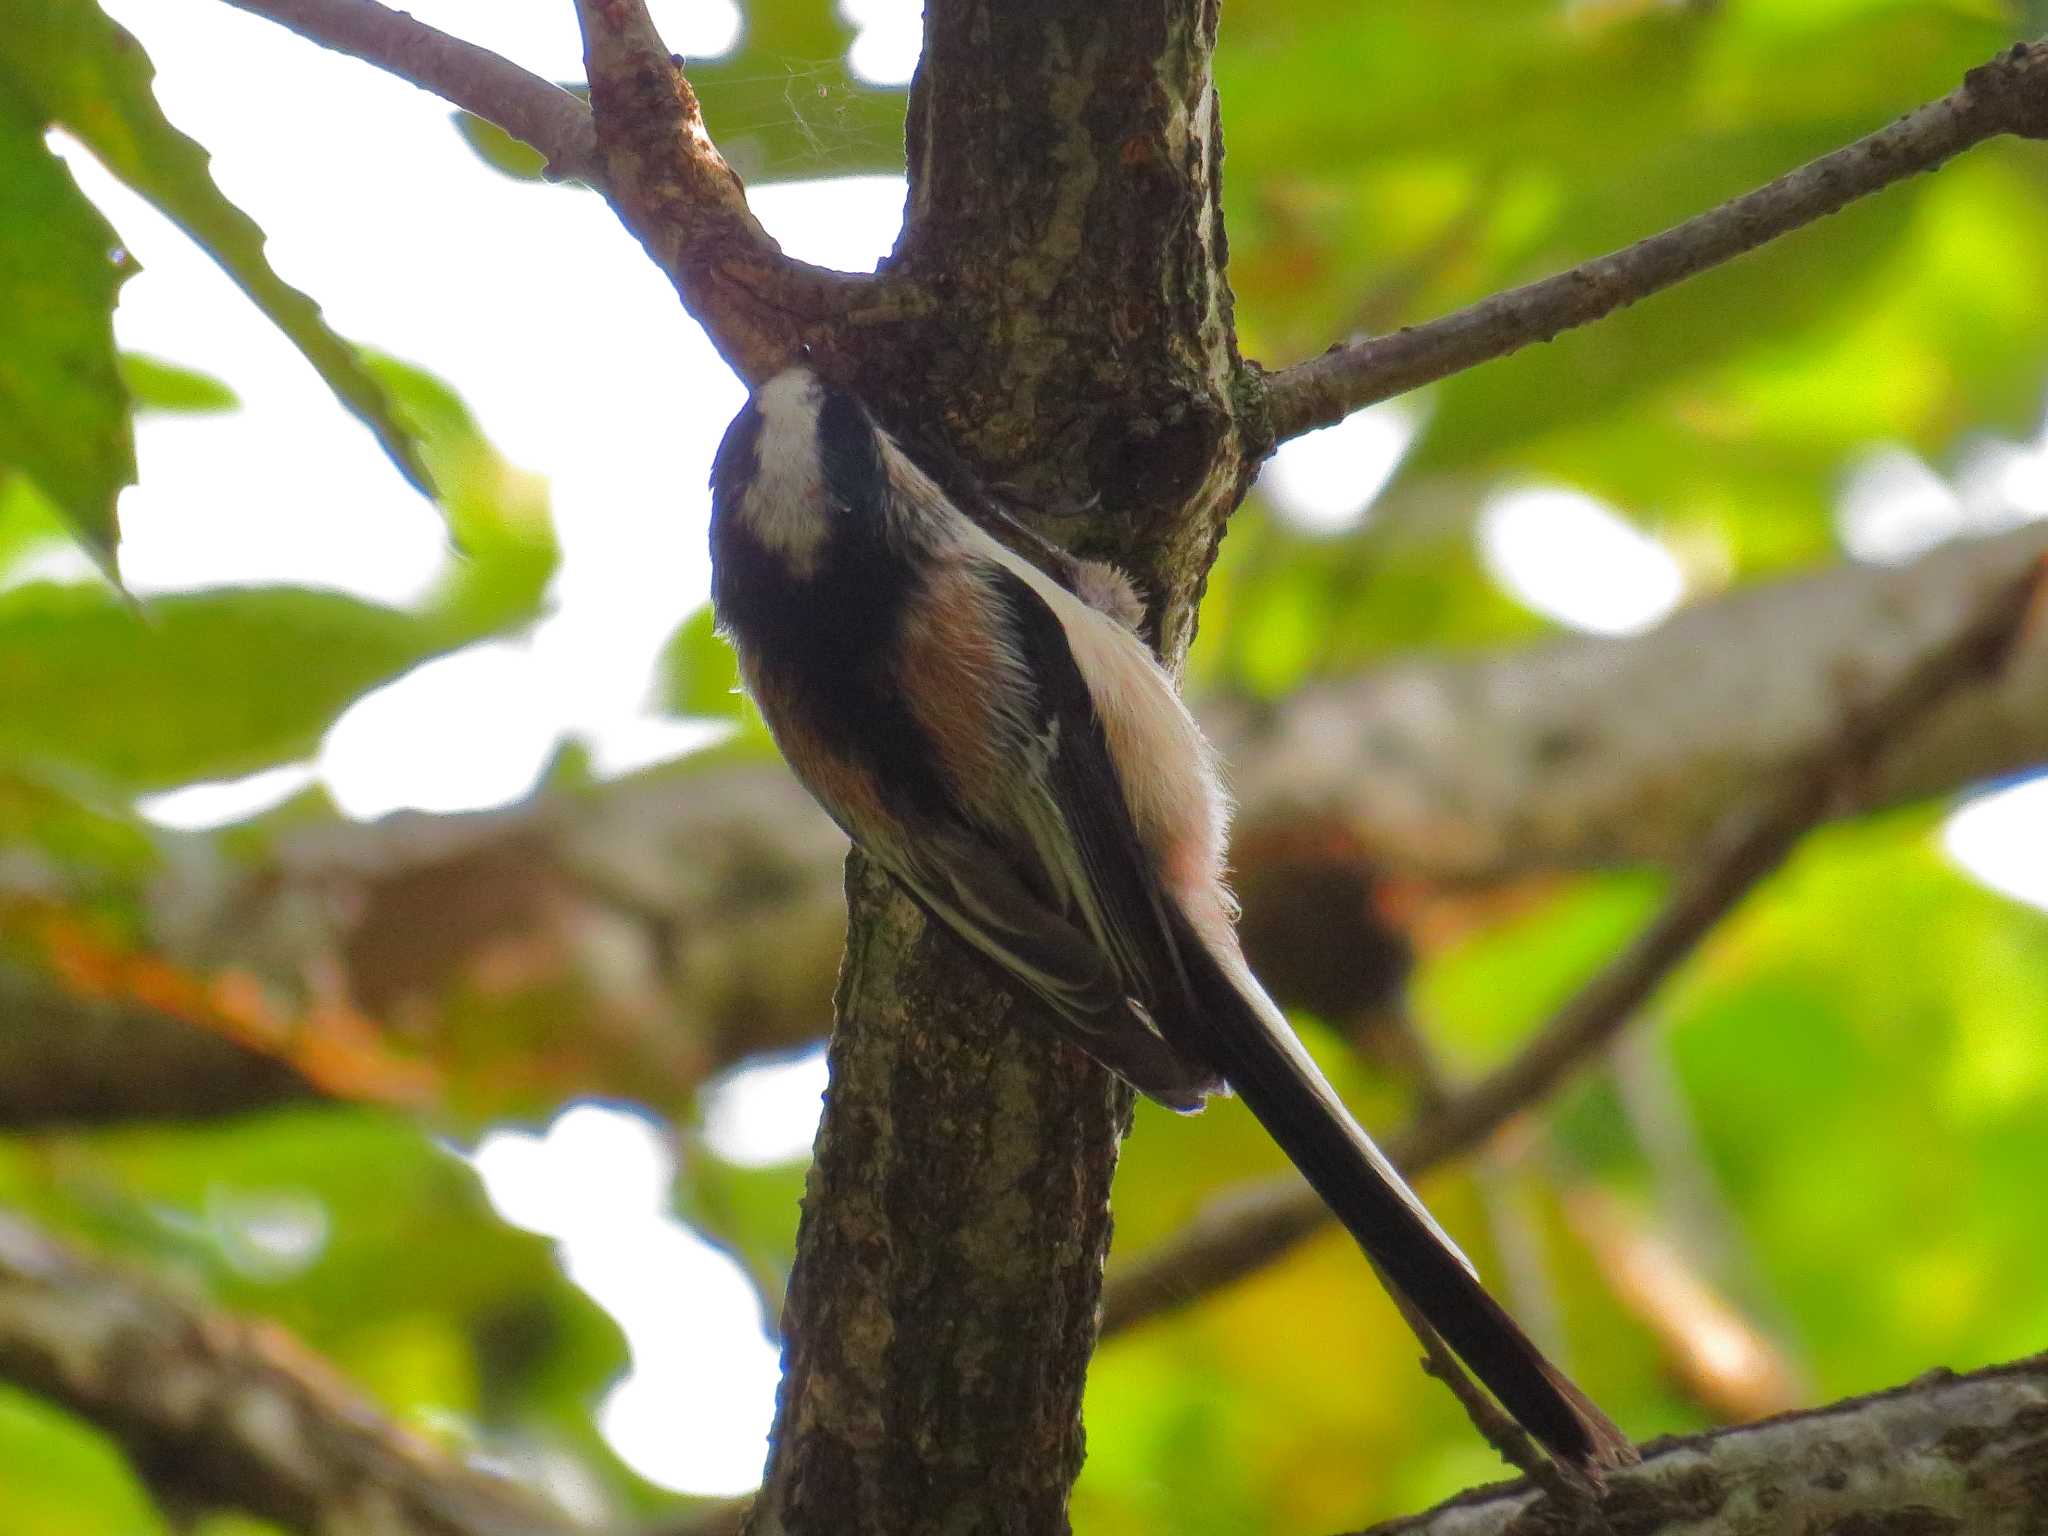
<point x="641" y="141"/>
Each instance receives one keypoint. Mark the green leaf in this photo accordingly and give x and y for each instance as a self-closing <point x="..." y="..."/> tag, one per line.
<point x="1484" y="416"/>
<point x="64" y="1477"/>
<point x="29" y="520"/>
<point x="787" y="107"/>
<point x="211" y="684"/>
<point x="63" y="411"/>
<point x="160" y="386"/>
<point x="700" y="675"/>
<point x="393" y="1267"/>
<point x="206" y="685"/>
<point x="498" y="149"/>
<point x="750" y="1212"/>
<point x="498" y="514"/>
<point x="75" y="828"/>
<point x="65" y="63"/>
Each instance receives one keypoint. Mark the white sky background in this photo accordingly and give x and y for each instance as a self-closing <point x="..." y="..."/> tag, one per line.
<point x="571" y="350"/>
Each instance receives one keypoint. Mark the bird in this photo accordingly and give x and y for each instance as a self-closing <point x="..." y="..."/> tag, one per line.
<point x="1000" y="739"/>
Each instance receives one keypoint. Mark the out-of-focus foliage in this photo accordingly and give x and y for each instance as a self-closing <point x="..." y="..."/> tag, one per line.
<point x="1536" y="134"/>
<point x="63" y="411"/>
<point x="1852" y="1072"/>
<point x="66" y="651"/>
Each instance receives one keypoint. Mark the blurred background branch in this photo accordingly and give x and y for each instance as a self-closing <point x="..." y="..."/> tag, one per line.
<point x="72" y="1060"/>
<point x="217" y="1413"/>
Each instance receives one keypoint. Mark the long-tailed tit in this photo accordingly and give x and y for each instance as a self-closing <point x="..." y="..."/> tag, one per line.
<point x="1014" y="756"/>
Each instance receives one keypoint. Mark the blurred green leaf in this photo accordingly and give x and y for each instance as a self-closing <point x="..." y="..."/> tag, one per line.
<point x="700" y="674"/>
<point x="161" y="386"/>
<point x="64" y="62"/>
<point x="498" y="149"/>
<point x="29" y="521"/>
<point x="1484" y="416"/>
<point x="209" y="685"/>
<point x="750" y="1212"/>
<point x="63" y="411"/>
<point x="786" y="106"/>
<point x="498" y="514"/>
<point x="74" y="827"/>
<point x="64" y="1478"/>
<point x="1282" y="609"/>
<point x="1873" y="1010"/>
<point x="213" y="684"/>
<point x="1491" y="989"/>
<point x="1722" y="414"/>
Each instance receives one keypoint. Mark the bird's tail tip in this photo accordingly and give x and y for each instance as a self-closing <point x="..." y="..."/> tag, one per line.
<point x="1597" y="1444"/>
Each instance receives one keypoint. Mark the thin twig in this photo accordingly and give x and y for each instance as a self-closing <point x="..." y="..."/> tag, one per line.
<point x="1496" y="1427"/>
<point x="1245" y="1229"/>
<point x="536" y="111"/>
<point x="2007" y="95"/>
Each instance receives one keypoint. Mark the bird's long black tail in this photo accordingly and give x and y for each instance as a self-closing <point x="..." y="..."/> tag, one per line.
<point x="1250" y="1042"/>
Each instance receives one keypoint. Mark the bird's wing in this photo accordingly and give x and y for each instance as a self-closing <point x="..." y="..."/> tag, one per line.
<point x="1030" y="854"/>
<point x="972" y="886"/>
<point x="1070" y="803"/>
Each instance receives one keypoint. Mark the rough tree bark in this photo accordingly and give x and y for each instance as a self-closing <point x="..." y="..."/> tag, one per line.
<point x="1945" y="1456"/>
<point x="1063" y="192"/>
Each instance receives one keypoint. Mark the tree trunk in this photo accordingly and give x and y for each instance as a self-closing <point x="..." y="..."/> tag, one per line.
<point x="1065" y="208"/>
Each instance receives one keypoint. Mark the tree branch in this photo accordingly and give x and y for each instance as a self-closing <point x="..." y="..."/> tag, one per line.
<point x="1943" y="1455"/>
<point x="671" y="187"/>
<point x="1244" y="1232"/>
<point x="1590" y="751"/>
<point x="535" y="111"/>
<point x="642" y="142"/>
<point x="67" y="1060"/>
<point x="2007" y="95"/>
<point x="217" y="1413"/>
